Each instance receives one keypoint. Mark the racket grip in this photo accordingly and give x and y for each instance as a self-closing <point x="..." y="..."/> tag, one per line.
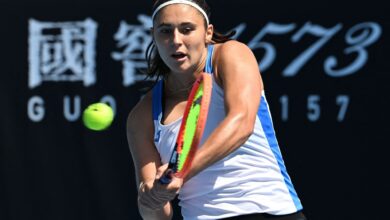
<point x="166" y="178"/>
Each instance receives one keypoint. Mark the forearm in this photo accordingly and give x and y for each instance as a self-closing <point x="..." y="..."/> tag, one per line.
<point x="163" y="214"/>
<point x="230" y="134"/>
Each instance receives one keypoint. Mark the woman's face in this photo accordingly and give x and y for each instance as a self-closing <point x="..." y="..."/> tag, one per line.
<point x="180" y="36"/>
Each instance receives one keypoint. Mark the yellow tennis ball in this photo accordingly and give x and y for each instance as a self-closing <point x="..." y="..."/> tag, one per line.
<point x="98" y="116"/>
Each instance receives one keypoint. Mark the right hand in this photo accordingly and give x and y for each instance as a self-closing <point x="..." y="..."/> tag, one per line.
<point x="153" y="195"/>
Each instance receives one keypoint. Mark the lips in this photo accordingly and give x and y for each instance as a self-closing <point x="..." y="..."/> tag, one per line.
<point x="179" y="56"/>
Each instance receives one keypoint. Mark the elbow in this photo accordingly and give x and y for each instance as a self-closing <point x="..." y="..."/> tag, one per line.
<point x="247" y="131"/>
<point x="245" y="127"/>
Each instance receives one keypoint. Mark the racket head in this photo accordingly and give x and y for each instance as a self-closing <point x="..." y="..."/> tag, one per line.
<point x="193" y="124"/>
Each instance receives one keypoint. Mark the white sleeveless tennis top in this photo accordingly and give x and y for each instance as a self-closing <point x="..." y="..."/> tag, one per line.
<point x="252" y="179"/>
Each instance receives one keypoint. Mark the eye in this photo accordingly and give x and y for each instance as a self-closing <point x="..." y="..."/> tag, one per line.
<point x="165" y="30"/>
<point x="187" y="30"/>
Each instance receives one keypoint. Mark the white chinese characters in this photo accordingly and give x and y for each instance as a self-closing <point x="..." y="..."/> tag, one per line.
<point x="62" y="51"/>
<point x="135" y="40"/>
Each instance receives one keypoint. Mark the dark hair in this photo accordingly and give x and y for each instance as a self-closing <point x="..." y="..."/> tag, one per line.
<point x="156" y="66"/>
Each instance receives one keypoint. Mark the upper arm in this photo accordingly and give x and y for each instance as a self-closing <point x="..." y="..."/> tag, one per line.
<point x="238" y="72"/>
<point x="140" y="132"/>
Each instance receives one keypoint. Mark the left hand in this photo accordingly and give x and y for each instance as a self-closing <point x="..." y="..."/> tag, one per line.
<point x="153" y="195"/>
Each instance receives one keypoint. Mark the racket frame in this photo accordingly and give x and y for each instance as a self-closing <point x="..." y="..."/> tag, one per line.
<point x="206" y="80"/>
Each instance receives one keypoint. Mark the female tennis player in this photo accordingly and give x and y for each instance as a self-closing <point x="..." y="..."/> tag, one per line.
<point x="238" y="171"/>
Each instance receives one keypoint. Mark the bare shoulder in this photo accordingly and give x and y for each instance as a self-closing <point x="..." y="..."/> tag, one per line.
<point x="231" y="49"/>
<point x="140" y="117"/>
<point x="233" y="57"/>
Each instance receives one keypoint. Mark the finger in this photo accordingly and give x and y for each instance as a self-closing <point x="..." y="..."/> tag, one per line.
<point x="147" y="205"/>
<point x="150" y="202"/>
<point x="175" y="185"/>
<point x="160" y="193"/>
<point x="147" y="186"/>
<point x="147" y="196"/>
<point x="161" y="170"/>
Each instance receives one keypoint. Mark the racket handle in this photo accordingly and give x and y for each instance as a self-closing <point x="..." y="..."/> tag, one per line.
<point x="167" y="177"/>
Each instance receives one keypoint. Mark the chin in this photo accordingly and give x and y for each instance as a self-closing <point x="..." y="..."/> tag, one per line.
<point x="181" y="68"/>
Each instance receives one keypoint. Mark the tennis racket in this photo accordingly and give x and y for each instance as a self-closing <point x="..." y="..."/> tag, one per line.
<point x="191" y="129"/>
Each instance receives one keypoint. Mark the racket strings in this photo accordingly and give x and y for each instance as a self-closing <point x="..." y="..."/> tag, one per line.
<point x="190" y="128"/>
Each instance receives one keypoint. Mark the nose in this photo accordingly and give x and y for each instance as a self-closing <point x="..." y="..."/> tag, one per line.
<point x="176" y="38"/>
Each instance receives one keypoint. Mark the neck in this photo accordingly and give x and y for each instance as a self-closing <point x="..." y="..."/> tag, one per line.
<point x="180" y="83"/>
<point x="178" y="87"/>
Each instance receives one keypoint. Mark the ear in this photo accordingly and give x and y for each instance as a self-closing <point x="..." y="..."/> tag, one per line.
<point x="209" y="33"/>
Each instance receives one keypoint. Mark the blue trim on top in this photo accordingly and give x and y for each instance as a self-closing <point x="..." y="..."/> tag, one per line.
<point x="157" y="89"/>
<point x="266" y="122"/>
<point x="209" y="60"/>
<point x="157" y="96"/>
